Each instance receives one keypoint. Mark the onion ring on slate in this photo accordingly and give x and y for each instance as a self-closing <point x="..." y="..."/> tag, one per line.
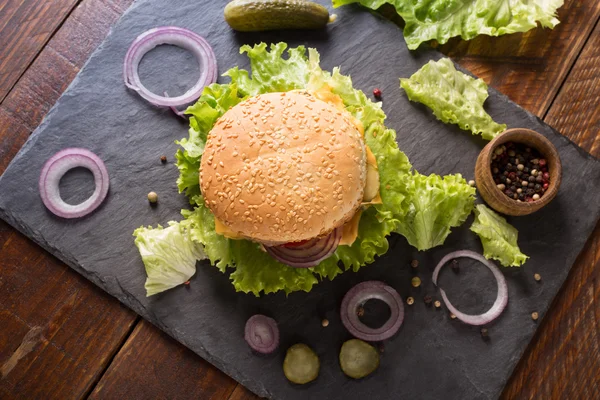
<point x="501" y="298"/>
<point x="180" y="37"/>
<point x="262" y="334"/>
<point x="57" y="166"/>
<point x="357" y="296"/>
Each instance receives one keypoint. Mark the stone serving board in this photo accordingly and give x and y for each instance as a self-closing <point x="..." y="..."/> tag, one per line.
<point x="432" y="356"/>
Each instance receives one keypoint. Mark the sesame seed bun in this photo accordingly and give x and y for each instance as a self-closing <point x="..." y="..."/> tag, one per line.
<point x="283" y="167"/>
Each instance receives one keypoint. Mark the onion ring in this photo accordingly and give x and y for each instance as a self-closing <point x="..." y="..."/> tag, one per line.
<point x="501" y="298"/>
<point x="261" y="333"/>
<point x="308" y="254"/>
<point x="58" y="165"/>
<point x="180" y="37"/>
<point x="357" y="296"/>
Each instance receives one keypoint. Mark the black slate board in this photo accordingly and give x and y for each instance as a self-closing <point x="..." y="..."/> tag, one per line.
<point x="432" y="356"/>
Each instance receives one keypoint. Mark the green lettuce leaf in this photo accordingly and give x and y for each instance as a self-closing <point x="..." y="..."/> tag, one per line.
<point x="454" y="97"/>
<point x="270" y="71"/>
<point x="498" y="237"/>
<point x="444" y="19"/>
<point x="436" y="204"/>
<point x="169" y="256"/>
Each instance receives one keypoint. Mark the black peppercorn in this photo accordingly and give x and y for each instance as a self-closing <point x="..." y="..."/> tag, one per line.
<point x="537" y="187"/>
<point x="531" y="185"/>
<point x="455" y="265"/>
<point x="531" y="179"/>
<point x="484" y="333"/>
<point x="428" y="300"/>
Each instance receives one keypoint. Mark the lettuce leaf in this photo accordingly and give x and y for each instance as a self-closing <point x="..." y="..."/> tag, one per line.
<point x="454" y="97"/>
<point x="498" y="237"/>
<point x="169" y="256"/>
<point x="444" y="19"/>
<point x="436" y="204"/>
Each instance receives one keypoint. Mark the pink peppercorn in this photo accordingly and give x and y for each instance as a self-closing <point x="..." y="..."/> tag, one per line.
<point x="377" y="92"/>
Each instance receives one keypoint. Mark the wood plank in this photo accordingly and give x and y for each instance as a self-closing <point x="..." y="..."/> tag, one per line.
<point x="59" y="331"/>
<point x="152" y="365"/>
<point x="576" y="111"/>
<point x="563" y="360"/>
<point x="57" y="328"/>
<point x="241" y="393"/>
<point x="25" y="27"/>
<point x="529" y="67"/>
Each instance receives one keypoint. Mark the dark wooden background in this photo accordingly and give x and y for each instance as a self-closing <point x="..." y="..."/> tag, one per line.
<point x="61" y="337"/>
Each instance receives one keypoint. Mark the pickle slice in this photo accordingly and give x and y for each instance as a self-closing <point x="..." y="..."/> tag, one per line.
<point x="301" y="364"/>
<point x="358" y="359"/>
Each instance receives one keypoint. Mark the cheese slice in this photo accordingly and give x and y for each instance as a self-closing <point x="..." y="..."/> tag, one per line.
<point x="350" y="230"/>
<point x="222" y="229"/>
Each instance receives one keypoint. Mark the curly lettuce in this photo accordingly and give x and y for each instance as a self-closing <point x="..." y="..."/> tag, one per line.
<point x="436" y="204"/>
<point x="498" y="237"/>
<point x="443" y="19"/>
<point x="169" y="256"/>
<point x="454" y="97"/>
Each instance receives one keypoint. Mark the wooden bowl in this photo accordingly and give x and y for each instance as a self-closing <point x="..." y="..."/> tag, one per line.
<point x="494" y="196"/>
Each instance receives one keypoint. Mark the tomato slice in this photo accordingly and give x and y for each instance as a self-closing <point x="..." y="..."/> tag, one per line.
<point x="295" y="244"/>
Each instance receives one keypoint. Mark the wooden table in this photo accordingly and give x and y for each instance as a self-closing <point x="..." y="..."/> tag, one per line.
<point x="61" y="337"/>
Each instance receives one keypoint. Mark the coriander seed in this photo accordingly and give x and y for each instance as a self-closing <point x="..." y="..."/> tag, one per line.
<point x="414" y="263"/>
<point x="534" y="316"/>
<point x="325" y="323"/>
<point x="437" y="304"/>
<point x="410" y="301"/>
<point x="415" y="281"/>
<point x="537" y="277"/>
<point x="152" y="197"/>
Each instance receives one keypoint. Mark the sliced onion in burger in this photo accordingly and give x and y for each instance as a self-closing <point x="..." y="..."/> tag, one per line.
<point x="308" y="254"/>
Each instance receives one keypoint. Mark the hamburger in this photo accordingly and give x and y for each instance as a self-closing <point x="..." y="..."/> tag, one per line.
<point x="290" y="171"/>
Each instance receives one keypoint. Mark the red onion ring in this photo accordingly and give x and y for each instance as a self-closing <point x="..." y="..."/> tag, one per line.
<point x="501" y="298"/>
<point x="58" y="165"/>
<point x="307" y="254"/>
<point x="357" y="296"/>
<point x="262" y="334"/>
<point x="180" y="37"/>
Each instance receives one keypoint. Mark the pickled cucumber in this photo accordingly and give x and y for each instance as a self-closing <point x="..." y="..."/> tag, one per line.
<point x="264" y="15"/>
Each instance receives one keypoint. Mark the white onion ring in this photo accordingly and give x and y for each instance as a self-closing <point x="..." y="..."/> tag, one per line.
<point x="357" y="296"/>
<point x="180" y="37"/>
<point x="57" y="166"/>
<point x="501" y="298"/>
<point x="262" y="334"/>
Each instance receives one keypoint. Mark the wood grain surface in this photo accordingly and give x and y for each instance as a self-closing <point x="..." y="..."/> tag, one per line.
<point x="59" y="334"/>
<point x="25" y="27"/>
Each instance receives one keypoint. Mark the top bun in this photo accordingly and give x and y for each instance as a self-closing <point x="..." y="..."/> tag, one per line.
<point x="283" y="167"/>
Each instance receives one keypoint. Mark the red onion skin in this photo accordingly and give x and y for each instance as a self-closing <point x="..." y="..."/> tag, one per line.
<point x="357" y="296"/>
<point x="501" y="299"/>
<point x="259" y="321"/>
